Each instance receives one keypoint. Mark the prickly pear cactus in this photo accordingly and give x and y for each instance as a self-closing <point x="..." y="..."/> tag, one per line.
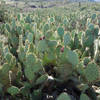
<point x="93" y="16"/>
<point x="29" y="69"/>
<point x="90" y="35"/>
<point x="46" y="28"/>
<point x="42" y="46"/>
<point x="13" y="36"/>
<point x="64" y="71"/>
<point x="45" y="46"/>
<point x="67" y="63"/>
<point x="60" y="31"/>
<point x="91" y="27"/>
<point x="32" y="67"/>
<point x="8" y="27"/>
<point x="91" y="72"/>
<point x="48" y="34"/>
<point x="8" y="65"/>
<point x="67" y="39"/>
<point x="13" y="90"/>
<point x="42" y="79"/>
<point x="64" y="96"/>
<point x="84" y="97"/>
<point x="4" y="80"/>
<point x="30" y="37"/>
<point x="30" y="59"/>
<point x="76" y="42"/>
<point x="86" y="60"/>
<point x="73" y="58"/>
<point x="52" y="43"/>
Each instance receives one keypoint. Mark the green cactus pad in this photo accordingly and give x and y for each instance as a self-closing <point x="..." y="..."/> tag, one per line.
<point x="13" y="23"/>
<point x="28" y="19"/>
<point x="48" y="34"/>
<point x="76" y="41"/>
<point x="72" y="57"/>
<point x="63" y="56"/>
<point x="31" y="48"/>
<point x="64" y="96"/>
<point x="38" y="67"/>
<point x="46" y="28"/>
<point x="58" y="50"/>
<point x="29" y="73"/>
<point x="8" y="28"/>
<point x="37" y="95"/>
<point x="1" y="44"/>
<point x="13" y="62"/>
<point x="19" y="29"/>
<point x="84" y="97"/>
<point x="41" y="79"/>
<point x="5" y="51"/>
<point x="28" y="27"/>
<point x="18" y="17"/>
<point x="14" y="41"/>
<point x="52" y="44"/>
<point x="30" y="59"/>
<point x="13" y="90"/>
<point x="30" y="37"/>
<point x="60" y="31"/>
<point x="5" y="68"/>
<point x="67" y="39"/>
<point x="64" y="71"/>
<point x="52" y="19"/>
<point x="65" y="22"/>
<point x="93" y="16"/>
<point x="80" y="68"/>
<point x="86" y="60"/>
<point x="88" y="32"/>
<point x="42" y="46"/>
<point x="8" y="57"/>
<point x="89" y="41"/>
<point x="22" y="54"/>
<point x="96" y="31"/>
<point x="91" y="27"/>
<point x="91" y="72"/>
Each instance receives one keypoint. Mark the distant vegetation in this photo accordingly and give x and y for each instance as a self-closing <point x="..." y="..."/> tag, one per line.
<point x="58" y="0"/>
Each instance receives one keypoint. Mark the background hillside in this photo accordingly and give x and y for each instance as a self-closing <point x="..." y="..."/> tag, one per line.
<point x="61" y="0"/>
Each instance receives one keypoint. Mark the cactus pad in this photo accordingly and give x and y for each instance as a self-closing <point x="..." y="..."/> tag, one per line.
<point x="60" y="31"/>
<point x="64" y="96"/>
<point x="91" y="72"/>
<point x="84" y="97"/>
<point x="67" y="39"/>
<point x="13" y="90"/>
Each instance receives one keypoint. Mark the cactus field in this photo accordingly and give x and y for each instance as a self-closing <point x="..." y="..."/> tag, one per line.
<point x="50" y="53"/>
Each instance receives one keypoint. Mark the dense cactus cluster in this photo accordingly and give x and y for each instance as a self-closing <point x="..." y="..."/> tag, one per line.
<point x="46" y="50"/>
